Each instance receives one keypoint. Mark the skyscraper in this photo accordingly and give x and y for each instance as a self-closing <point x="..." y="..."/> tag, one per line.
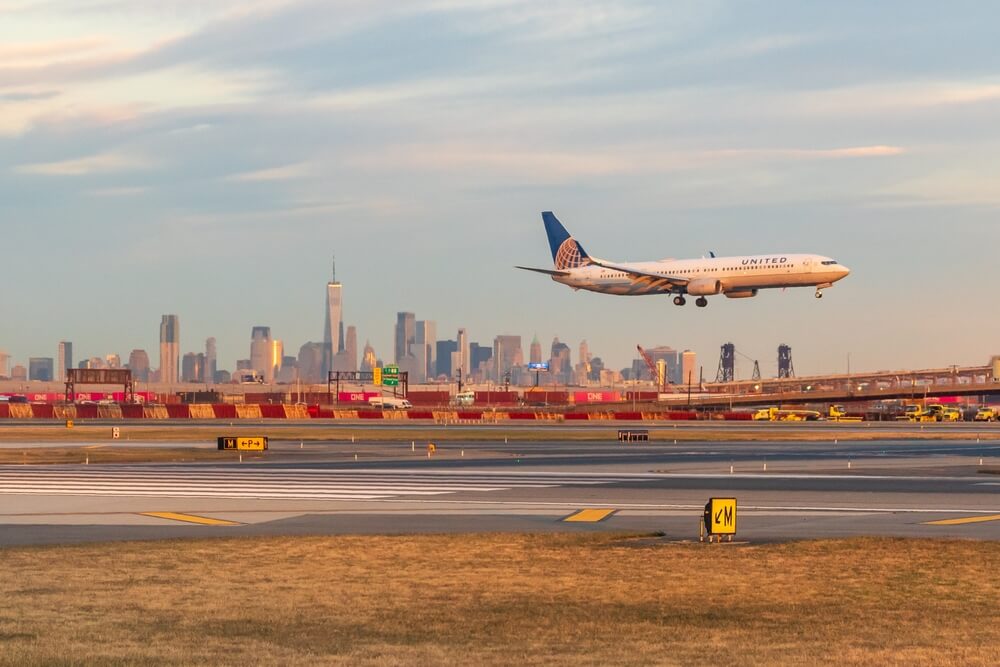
<point x="689" y="367"/>
<point x="211" y="361"/>
<point x="535" y="353"/>
<point x="404" y="336"/>
<point x="277" y="356"/>
<point x="445" y="348"/>
<point x="65" y="359"/>
<point x="425" y="349"/>
<point x="332" y="321"/>
<point x="193" y="367"/>
<point x="351" y="348"/>
<point x="4" y="364"/>
<point x="368" y="359"/>
<point x="170" y="348"/>
<point x="40" y="368"/>
<point x="260" y="353"/>
<point x="311" y="362"/>
<point x="507" y="354"/>
<point x="138" y="362"/>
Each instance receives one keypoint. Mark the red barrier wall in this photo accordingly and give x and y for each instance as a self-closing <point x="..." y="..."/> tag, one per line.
<point x="86" y="412"/>
<point x="180" y="411"/>
<point x="224" y="411"/>
<point x="270" y="411"/>
<point x="737" y="416"/>
<point x="132" y="412"/>
<point x="420" y="414"/>
<point x="43" y="411"/>
<point x="581" y="416"/>
<point x="4" y="411"/>
<point x="628" y="416"/>
<point x="522" y="415"/>
<point x="470" y="415"/>
<point x="369" y="414"/>
<point x="681" y="416"/>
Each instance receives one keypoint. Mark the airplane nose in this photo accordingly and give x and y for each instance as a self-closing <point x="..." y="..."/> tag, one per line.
<point x="843" y="271"/>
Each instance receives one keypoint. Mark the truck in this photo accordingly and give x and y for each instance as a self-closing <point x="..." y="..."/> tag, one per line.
<point x="389" y="403"/>
<point x="986" y="414"/>
<point x="932" y="412"/>
<point x="775" y="414"/>
<point x="838" y="413"/>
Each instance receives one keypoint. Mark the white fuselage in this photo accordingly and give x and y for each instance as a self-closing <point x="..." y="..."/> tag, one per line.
<point x="737" y="276"/>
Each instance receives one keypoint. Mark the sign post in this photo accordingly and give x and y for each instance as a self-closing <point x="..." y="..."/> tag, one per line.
<point x="719" y="518"/>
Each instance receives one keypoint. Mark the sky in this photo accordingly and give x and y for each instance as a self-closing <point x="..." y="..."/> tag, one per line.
<point x="208" y="158"/>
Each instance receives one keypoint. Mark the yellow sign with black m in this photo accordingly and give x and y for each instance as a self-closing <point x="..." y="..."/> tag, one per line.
<point x="720" y="516"/>
<point x="243" y="444"/>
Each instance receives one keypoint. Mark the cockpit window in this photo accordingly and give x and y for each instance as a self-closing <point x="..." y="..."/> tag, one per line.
<point x="828" y="262"/>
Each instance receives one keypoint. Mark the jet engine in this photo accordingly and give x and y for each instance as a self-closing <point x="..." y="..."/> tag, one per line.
<point x="741" y="294"/>
<point x="703" y="287"/>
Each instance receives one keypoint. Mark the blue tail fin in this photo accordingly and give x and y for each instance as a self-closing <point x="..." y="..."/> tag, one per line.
<point x="567" y="253"/>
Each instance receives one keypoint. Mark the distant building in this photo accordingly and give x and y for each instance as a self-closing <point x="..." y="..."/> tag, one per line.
<point x="170" y="348"/>
<point x="222" y="377"/>
<point x="535" y="351"/>
<point x="424" y="349"/>
<point x="277" y="355"/>
<point x="311" y="362"/>
<point x="261" y="359"/>
<point x="404" y="336"/>
<point x="19" y="372"/>
<point x="368" y="358"/>
<point x="289" y="372"/>
<point x="211" y="360"/>
<point x="442" y="353"/>
<point x="507" y="354"/>
<point x="64" y="360"/>
<point x="41" y="369"/>
<point x="332" y="323"/>
<point x="480" y="363"/>
<point x="689" y="368"/>
<point x="4" y="364"/>
<point x="113" y="361"/>
<point x="192" y="367"/>
<point x="138" y="362"/>
<point x="560" y="364"/>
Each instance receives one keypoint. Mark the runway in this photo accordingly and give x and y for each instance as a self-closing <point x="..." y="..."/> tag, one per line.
<point x="784" y="490"/>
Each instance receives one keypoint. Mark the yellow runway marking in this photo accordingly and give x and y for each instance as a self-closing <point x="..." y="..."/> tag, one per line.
<point x="590" y="515"/>
<point x="191" y="518"/>
<point x="964" y="519"/>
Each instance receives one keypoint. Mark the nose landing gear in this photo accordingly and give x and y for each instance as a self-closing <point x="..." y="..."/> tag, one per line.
<point x="701" y="302"/>
<point x="819" y="293"/>
<point x="679" y="301"/>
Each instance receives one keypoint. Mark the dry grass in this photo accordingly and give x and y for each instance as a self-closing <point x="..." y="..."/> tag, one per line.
<point x="500" y="599"/>
<point x="116" y="454"/>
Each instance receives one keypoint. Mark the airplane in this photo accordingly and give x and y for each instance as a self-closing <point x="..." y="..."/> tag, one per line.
<point x="735" y="277"/>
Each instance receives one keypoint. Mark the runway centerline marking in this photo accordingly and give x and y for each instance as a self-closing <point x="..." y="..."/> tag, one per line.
<point x="191" y="518"/>
<point x="590" y="515"/>
<point x="964" y="519"/>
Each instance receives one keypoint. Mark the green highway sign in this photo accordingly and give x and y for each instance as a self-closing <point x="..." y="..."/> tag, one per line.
<point x="390" y="382"/>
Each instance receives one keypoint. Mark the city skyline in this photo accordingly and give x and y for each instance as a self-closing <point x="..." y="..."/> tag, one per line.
<point x="227" y="167"/>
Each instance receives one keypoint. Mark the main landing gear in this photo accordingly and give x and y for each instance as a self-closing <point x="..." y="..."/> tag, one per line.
<point x="819" y="293"/>
<point x="701" y="302"/>
<point x="679" y="301"/>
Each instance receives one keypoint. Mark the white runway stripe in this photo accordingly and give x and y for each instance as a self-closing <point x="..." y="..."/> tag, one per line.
<point x="270" y="483"/>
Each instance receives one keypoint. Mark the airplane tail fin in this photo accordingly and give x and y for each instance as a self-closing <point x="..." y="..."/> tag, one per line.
<point x="567" y="253"/>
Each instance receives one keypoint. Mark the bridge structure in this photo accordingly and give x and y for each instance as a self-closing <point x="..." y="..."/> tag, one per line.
<point x="970" y="381"/>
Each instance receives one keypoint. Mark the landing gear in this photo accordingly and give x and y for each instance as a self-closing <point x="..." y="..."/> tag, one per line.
<point x="819" y="293"/>
<point x="701" y="302"/>
<point x="679" y="301"/>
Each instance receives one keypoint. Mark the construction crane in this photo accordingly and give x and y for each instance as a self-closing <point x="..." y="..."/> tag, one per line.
<point x="660" y="382"/>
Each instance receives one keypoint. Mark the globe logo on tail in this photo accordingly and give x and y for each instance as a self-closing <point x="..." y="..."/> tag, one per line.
<point x="569" y="256"/>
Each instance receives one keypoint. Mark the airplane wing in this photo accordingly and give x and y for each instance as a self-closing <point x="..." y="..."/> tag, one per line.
<point x="548" y="272"/>
<point x="651" y="279"/>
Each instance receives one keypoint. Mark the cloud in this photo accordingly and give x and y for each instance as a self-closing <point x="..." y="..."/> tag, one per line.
<point x="93" y="164"/>
<point x="118" y="192"/>
<point x="284" y="173"/>
<point x="36" y="53"/>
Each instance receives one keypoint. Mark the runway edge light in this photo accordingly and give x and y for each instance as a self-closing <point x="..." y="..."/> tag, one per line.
<point x="719" y="518"/>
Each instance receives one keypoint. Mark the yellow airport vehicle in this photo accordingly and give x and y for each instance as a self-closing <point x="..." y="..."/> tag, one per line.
<point x="933" y="412"/>
<point x="951" y="415"/>
<point x="778" y="415"/>
<point x="838" y="413"/>
<point x="986" y="414"/>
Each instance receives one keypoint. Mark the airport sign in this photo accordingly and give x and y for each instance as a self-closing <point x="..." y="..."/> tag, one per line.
<point x="390" y="376"/>
<point x="720" y="516"/>
<point x="255" y="444"/>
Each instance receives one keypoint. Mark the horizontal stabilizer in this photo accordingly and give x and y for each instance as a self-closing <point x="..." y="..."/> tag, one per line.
<point x="549" y="272"/>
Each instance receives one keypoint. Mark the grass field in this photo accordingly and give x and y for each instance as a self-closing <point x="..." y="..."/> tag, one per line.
<point x="501" y="599"/>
